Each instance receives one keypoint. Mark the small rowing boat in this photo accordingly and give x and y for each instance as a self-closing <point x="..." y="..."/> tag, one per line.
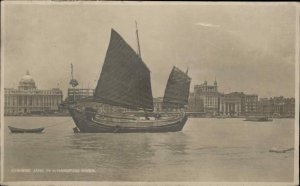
<point x="19" y="130"/>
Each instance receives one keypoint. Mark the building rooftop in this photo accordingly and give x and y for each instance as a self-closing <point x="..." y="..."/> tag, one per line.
<point x="27" y="82"/>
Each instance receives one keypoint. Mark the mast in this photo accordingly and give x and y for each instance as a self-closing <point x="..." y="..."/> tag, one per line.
<point x="73" y="82"/>
<point x="138" y="42"/>
<point x="139" y="54"/>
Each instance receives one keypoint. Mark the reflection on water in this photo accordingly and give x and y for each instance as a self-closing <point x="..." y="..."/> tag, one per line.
<point x="114" y="150"/>
<point x="206" y="150"/>
<point x="129" y="151"/>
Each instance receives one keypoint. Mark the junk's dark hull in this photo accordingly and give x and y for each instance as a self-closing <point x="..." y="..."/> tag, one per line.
<point x="18" y="130"/>
<point x="88" y="125"/>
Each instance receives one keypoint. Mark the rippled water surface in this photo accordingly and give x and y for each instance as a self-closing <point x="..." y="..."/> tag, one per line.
<point x="206" y="150"/>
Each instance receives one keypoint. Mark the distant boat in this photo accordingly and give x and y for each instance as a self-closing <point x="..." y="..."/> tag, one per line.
<point x="19" y="130"/>
<point x="125" y="82"/>
<point x="258" y="118"/>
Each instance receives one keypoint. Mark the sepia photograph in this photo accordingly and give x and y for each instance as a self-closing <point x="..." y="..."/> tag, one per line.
<point x="161" y="93"/>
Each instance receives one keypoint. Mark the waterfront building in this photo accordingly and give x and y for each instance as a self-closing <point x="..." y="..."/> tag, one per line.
<point x="158" y="106"/>
<point x="28" y="99"/>
<point x="277" y="106"/>
<point x="231" y="104"/>
<point x="79" y="93"/>
<point x="251" y="104"/>
<point x="288" y="109"/>
<point x="191" y="102"/>
<point x="238" y="103"/>
<point x="199" y="104"/>
<point x="195" y="104"/>
<point x="265" y="106"/>
<point x="278" y="103"/>
<point x="206" y="98"/>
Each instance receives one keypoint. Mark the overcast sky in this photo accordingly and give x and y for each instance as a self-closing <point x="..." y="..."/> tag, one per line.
<point x="248" y="48"/>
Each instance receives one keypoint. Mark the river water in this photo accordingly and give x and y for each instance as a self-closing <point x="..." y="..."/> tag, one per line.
<point x="207" y="150"/>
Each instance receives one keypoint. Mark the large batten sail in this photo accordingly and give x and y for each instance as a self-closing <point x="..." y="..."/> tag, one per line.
<point x="177" y="90"/>
<point x="125" y="79"/>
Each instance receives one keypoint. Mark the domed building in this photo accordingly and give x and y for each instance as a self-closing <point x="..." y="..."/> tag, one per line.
<point x="27" y="99"/>
<point x="27" y="82"/>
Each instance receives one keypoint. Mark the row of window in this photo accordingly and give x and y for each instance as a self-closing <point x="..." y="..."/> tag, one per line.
<point x="32" y="101"/>
<point x="56" y="103"/>
<point x="33" y="93"/>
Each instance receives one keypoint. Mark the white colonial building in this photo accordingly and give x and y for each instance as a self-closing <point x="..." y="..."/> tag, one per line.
<point x="28" y="99"/>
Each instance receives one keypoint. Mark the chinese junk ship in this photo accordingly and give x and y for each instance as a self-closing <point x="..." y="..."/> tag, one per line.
<point x="125" y="82"/>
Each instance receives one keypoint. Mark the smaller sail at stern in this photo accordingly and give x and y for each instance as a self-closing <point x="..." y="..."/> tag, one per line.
<point x="177" y="90"/>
